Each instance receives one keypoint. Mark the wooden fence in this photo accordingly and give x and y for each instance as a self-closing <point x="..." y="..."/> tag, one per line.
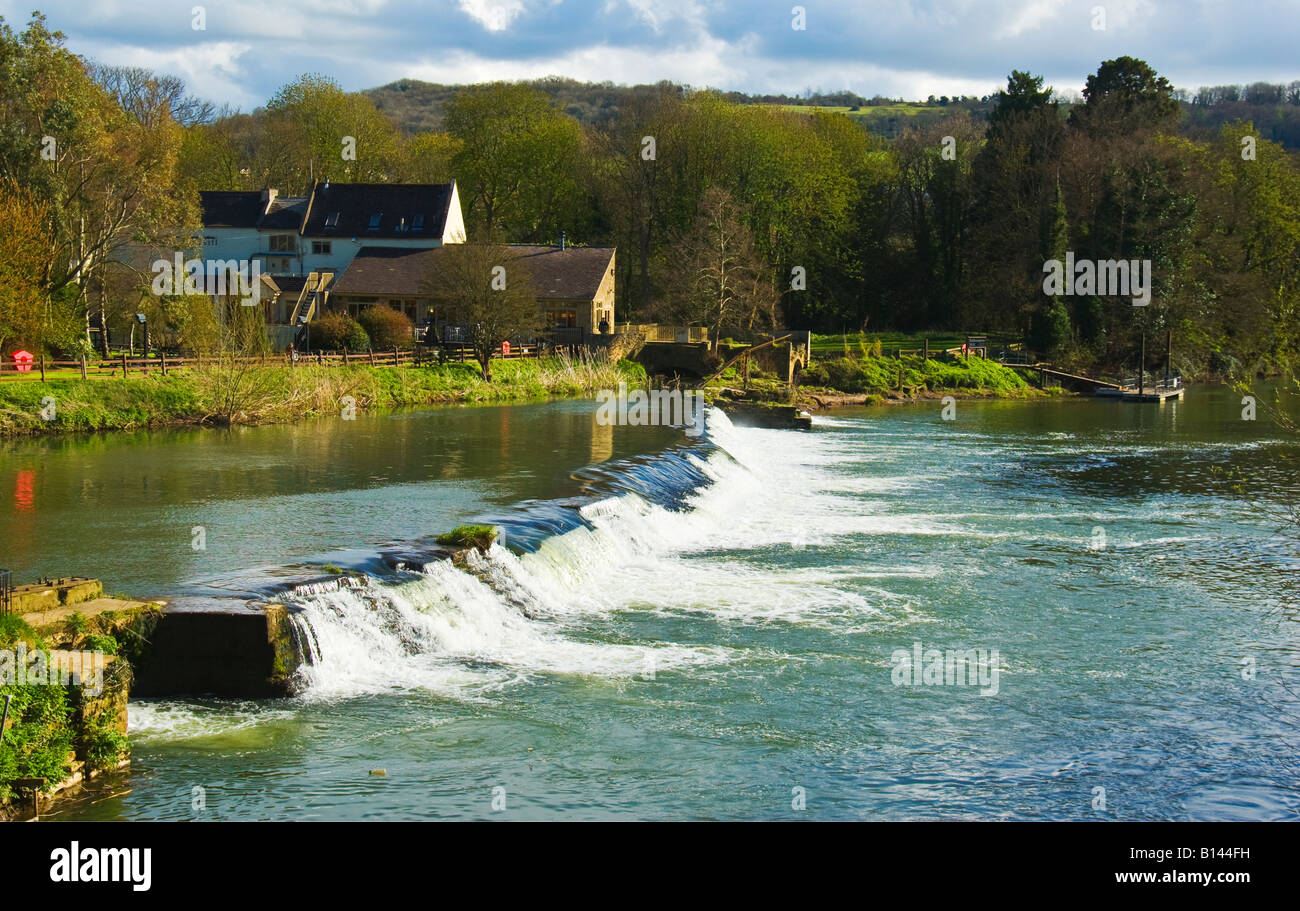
<point x="123" y="366"/>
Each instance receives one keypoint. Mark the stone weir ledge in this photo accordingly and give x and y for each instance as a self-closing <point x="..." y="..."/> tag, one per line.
<point x="238" y="646"/>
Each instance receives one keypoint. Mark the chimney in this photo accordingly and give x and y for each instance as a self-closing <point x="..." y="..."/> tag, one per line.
<point x="564" y="240"/>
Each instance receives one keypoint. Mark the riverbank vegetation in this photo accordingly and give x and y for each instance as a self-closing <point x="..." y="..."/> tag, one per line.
<point x="50" y="726"/>
<point x="234" y="393"/>
<point x="733" y="213"/>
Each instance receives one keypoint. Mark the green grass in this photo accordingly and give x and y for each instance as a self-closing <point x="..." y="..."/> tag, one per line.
<point x="279" y="394"/>
<point x="882" y="374"/>
<point x="480" y="536"/>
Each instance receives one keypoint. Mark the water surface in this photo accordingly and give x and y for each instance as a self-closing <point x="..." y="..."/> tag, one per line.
<point x="705" y="631"/>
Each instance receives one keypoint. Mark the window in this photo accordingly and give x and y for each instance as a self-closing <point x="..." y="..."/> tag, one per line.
<point x="563" y="319"/>
<point x="374" y="221"/>
<point x="417" y="222"/>
<point x="332" y="220"/>
<point x="281" y="243"/>
<point x="320" y="247"/>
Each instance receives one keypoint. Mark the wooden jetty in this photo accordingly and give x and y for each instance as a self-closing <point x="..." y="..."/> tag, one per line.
<point x="1131" y="389"/>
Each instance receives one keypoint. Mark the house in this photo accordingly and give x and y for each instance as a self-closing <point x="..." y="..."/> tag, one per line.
<point x="301" y="243"/>
<point x="323" y="231"/>
<point x="575" y="285"/>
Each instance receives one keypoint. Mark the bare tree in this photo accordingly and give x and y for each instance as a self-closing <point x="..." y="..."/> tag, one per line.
<point x="713" y="274"/>
<point x="489" y="292"/>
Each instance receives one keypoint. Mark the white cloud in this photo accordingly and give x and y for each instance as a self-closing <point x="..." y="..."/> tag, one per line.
<point x="494" y="15"/>
<point x="210" y="69"/>
<point x="1031" y="17"/>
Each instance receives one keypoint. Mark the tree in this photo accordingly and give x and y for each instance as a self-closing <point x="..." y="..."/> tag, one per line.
<point x="517" y="160"/>
<point x="713" y="275"/>
<point x="489" y="292"/>
<point x="106" y="174"/>
<point x="23" y="245"/>
<point x="1024" y="96"/>
<point x="328" y="133"/>
<point x="1126" y="95"/>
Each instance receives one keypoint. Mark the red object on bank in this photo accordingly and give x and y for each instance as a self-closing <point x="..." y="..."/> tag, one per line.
<point x="505" y="349"/>
<point x="23" y="361"/>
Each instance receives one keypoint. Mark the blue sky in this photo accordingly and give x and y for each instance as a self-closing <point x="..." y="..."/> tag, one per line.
<point x="911" y="48"/>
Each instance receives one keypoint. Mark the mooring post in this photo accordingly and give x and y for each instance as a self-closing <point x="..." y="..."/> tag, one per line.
<point x="1142" y="366"/>
<point x="1169" y="355"/>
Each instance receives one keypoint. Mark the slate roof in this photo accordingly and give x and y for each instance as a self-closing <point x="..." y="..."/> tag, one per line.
<point x="346" y="209"/>
<point x="234" y="209"/>
<point x="574" y="273"/>
<point x="245" y="209"/>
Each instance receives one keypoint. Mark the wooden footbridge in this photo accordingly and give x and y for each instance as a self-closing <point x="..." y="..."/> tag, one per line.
<point x="1130" y="389"/>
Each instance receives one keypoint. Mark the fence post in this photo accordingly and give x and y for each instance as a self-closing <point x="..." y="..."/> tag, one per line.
<point x="163" y="355"/>
<point x="371" y="352"/>
<point x="345" y="357"/>
<point x="123" y="365"/>
<point x="83" y="365"/>
<point x="42" y="366"/>
<point x="394" y="355"/>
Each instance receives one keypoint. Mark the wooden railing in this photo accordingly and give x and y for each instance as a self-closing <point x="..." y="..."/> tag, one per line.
<point x="86" y="368"/>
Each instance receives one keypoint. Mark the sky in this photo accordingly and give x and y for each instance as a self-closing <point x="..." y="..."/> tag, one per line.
<point x="246" y="49"/>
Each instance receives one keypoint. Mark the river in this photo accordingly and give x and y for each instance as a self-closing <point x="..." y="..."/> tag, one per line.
<point x="713" y="630"/>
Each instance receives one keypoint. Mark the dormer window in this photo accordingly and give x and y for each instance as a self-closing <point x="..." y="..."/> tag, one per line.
<point x="332" y="220"/>
<point x="374" y="221"/>
<point x="417" y="222"/>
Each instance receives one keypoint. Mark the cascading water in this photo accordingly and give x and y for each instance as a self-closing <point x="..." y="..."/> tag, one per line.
<point x="502" y="616"/>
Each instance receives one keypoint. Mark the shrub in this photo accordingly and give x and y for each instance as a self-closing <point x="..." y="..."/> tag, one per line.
<point x="100" y="642"/>
<point x="480" y="536"/>
<point x="387" y="328"/>
<point x="13" y="629"/>
<point x="336" y="331"/>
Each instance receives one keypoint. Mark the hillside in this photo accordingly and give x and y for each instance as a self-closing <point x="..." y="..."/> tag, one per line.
<point x="417" y="107"/>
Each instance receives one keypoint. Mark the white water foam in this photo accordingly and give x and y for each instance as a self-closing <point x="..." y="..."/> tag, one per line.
<point x="464" y="631"/>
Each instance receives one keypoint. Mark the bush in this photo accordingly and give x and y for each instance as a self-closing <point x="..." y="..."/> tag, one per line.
<point x="388" y="328"/>
<point x="336" y="331"/>
<point x="13" y="629"/>
<point x="480" y="536"/>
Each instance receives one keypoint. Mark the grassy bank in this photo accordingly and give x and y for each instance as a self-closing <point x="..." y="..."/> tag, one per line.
<point x="878" y="379"/>
<point x="913" y="375"/>
<point x="229" y="394"/>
